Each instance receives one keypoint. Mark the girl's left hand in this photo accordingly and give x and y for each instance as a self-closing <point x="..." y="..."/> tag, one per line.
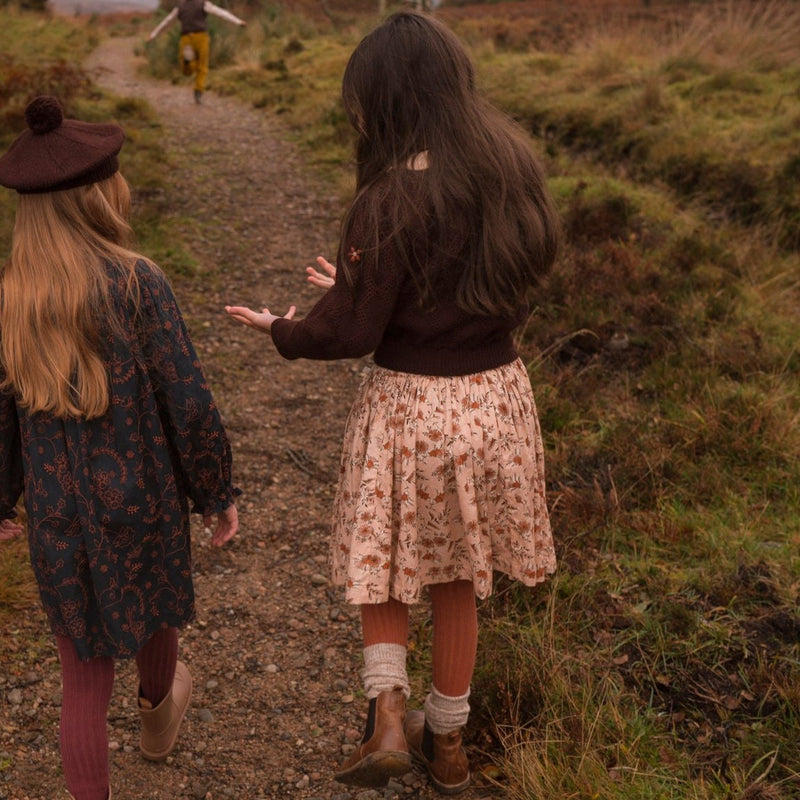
<point x="9" y="529"/>
<point x="324" y="279"/>
<point x="253" y="319"/>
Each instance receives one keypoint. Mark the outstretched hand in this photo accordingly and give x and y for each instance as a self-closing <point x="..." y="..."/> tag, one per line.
<point x="227" y="525"/>
<point x="317" y="278"/>
<point x="9" y="529"/>
<point x="253" y="319"/>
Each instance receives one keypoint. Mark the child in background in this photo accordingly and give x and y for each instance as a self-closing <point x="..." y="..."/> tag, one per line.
<point x="195" y="43"/>
<point x="442" y="474"/>
<point x="108" y="426"/>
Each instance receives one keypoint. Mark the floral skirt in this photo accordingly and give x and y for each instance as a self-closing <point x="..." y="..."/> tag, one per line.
<point x="441" y="479"/>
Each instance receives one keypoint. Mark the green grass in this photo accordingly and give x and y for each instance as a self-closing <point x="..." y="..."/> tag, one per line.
<point x="17" y="590"/>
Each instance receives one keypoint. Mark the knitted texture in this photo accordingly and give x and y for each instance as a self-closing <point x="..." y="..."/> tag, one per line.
<point x="384" y="669"/>
<point x="55" y="153"/>
<point x="444" y="714"/>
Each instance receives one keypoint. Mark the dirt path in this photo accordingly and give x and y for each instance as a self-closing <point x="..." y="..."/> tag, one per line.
<point x="275" y="652"/>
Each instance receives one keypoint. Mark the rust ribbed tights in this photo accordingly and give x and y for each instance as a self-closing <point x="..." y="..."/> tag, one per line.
<point x="86" y="693"/>
<point x="455" y="632"/>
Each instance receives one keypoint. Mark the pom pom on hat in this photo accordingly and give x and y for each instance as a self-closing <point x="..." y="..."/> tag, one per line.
<point x="56" y="153"/>
<point x="44" y="114"/>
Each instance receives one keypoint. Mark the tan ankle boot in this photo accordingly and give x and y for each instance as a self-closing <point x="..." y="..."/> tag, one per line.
<point x="448" y="769"/>
<point x="160" y="725"/>
<point x="384" y="754"/>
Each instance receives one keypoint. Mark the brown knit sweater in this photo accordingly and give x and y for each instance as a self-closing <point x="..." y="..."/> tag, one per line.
<point x="380" y="313"/>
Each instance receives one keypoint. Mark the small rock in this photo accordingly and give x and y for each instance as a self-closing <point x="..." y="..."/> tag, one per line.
<point x="204" y="715"/>
<point x="199" y="790"/>
<point x="15" y="697"/>
<point x="302" y="783"/>
<point x="352" y="735"/>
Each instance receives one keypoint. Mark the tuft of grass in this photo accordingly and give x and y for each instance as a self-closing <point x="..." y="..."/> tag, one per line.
<point x="17" y="590"/>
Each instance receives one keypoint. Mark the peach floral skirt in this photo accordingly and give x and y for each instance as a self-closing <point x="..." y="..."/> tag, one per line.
<point x="441" y="479"/>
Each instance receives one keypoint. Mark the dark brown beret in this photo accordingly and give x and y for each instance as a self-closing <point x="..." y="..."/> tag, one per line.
<point x="57" y="153"/>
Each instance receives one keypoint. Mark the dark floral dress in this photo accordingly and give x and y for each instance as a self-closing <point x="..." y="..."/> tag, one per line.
<point x="107" y="499"/>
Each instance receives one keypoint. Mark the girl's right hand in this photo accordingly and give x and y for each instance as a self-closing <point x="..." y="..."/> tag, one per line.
<point x="227" y="525"/>
<point x="317" y="278"/>
<point x="253" y="319"/>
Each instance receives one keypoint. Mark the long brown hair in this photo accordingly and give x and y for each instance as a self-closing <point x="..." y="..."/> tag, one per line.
<point x="55" y="292"/>
<point x="409" y="87"/>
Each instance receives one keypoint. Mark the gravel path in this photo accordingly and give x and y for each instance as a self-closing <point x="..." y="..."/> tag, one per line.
<point x="275" y="652"/>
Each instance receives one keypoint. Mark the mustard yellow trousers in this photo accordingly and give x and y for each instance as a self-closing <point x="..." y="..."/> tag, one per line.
<point x="199" y="42"/>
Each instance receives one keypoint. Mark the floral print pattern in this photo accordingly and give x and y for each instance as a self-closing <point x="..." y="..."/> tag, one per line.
<point x="107" y="499"/>
<point x="442" y="479"/>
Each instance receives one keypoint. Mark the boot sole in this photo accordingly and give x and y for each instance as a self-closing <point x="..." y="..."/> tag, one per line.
<point x="442" y="788"/>
<point x="376" y="769"/>
<point x="450" y="789"/>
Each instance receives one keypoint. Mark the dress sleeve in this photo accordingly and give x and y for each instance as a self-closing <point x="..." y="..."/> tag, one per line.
<point x="11" y="477"/>
<point x="191" y="420"/>
<point x="350" y="319"/>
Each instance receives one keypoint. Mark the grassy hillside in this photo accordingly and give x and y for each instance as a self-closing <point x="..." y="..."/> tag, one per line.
<point x="663" y="660"/>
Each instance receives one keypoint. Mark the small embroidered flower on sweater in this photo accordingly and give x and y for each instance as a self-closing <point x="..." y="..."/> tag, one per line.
<point x="354" y="255"/>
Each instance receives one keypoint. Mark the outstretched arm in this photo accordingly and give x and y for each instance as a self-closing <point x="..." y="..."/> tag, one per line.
<point x="260" y="321"/>
<point x="163" y="24"/>
<point x="210" y="8"/>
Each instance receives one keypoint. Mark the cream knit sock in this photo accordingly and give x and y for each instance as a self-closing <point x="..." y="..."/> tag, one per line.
<point x="384" y="669"/>
<point x="444" y="714"/>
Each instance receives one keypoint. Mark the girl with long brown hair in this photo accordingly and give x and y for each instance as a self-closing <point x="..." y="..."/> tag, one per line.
<point x="108" y="427"/>
<point x="442" y="474"/>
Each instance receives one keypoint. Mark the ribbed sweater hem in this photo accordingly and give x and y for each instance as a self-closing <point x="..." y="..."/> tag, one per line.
<point x="444" y="363"/>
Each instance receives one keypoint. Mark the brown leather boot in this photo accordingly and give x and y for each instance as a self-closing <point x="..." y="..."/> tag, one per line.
<point x="440" y="753"/>
<point x="382" y="753"/>
<point x="160" y="725"/>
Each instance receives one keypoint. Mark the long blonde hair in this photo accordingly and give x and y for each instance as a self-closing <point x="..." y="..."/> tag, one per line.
<point x="55" y="291"/>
